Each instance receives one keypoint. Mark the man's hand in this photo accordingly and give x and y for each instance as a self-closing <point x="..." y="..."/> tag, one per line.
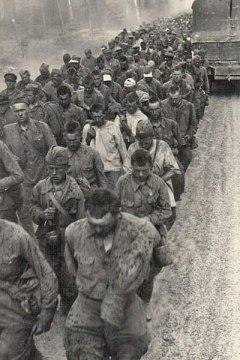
<point x="49" y="213"/>
<point x="44" y="321"/>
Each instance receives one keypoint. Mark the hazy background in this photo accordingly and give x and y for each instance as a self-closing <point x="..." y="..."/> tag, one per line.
<point x="53" y="27"/>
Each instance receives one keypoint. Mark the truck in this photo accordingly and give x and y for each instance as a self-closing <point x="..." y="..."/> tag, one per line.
<point x="216" y="29"/>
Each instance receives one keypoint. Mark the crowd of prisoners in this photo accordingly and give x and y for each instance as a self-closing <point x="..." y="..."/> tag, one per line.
<point x="93" y="158"/>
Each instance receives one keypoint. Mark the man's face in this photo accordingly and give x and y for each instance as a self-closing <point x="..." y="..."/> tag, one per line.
<point x="141" y="173"/>
<point x="88" y="88"/>
<point x="88" y="54"/>
<point x="64" y="100"/>
<point x="25" y="78"/>
<point x="56" y="80"/>
<point x="10" y="84"/>
<point x="57" y="173"/>
<point x="3" y="108"/>
<point x="196" y="62"/>
<point x="31" y="97"/>
<point x="169" y="61"/>
<point x="108" y="55"/>
<point x="45" y="74"/>
<point x="97" y="80"/>
<point x="124" y="65"/>
<point x="175" y="100"/>
<point x="177" y="76"/>
<point x="73" y="141"/>
<point x="104" y="225"/>
<point x="146" y="143"/>
<point x="22" y="112"/>
<point x="148" y="79"/>
<point x="98" y="118"/>
<point x="155" y="111"/>
<point x="143" y="47"/>
<point x="131" y="107"/>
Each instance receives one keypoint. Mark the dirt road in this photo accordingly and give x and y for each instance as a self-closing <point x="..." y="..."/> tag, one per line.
<point x="196" y="301"/>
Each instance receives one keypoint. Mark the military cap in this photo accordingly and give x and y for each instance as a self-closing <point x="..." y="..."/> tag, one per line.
<point x="10" y="77"/>
<point x="4" y="99"/>
<point x="174" y="91"/>
<point x="135" y="46"/>
<point x="143" y="96"/>
<point x="169" y="55"/>
<point x="76" y="58"/>
<point x="57" y="155"/>
<point x="21" y="99"/>
<point x="129" y="83"/>
<point x="32" y="87"/>
<point x="144" y="129"/>
<point x="56" y="72"/>
<point x="148" y="72"/>
<point x="117" y="48"/>
<point x="24" y="71"/>
<point x="44" y="68"/>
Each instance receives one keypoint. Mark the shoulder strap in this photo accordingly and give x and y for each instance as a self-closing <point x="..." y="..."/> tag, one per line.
<point x="60" y="208"/>
<point x="156" y="150"/>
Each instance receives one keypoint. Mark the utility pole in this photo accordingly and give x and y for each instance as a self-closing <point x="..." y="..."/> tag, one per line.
<point x="43" y="15"/>
<point x="70" y="10"/>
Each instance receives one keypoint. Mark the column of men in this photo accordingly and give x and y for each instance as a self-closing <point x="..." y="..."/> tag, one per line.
<point x="92" y="163"/>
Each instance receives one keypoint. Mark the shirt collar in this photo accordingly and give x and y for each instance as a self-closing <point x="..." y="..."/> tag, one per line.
<point x="136" y="185"/>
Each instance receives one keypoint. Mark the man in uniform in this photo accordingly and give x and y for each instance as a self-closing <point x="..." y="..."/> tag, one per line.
<point x="145" y="195"/>
<point x="28" y="294"/>
<point x="36" y="107"/>
<point x="183" y="112"/>
<point x="105" y="136"/>
<point x="7" y="115"/>
<point x="177" y="80"/>
<point x="29" y="140"/>
<point x="167" y="67"/>
<point x="50" y="89"/>
<point x="164" y="162"/>
<point x="109" y="254"/>
<point x="84" y="161"/>
<point x="11" y="91"/>
<point x="56" y="202"/>
<point x="89" y="61"/>
<point x="11" y="177"/>
<point x="151" y="85"/>
<point x="44" y="76"/>
<point x="57" y="114"/>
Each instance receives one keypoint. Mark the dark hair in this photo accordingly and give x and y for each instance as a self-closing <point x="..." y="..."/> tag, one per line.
<point x="132" y="97"/>
<point x="66" y="58"/>
<point x="71" y="127"/>
<point x="96" y="72"/>
<point x="102" y="201"/>
<point x="64" y="90"/>
<point x="153" y="100"/>
<point x="88" y="80"/>
<point x="96" y="108"/>
<point x="123" y="58"/>
<point x="141" y="157"/>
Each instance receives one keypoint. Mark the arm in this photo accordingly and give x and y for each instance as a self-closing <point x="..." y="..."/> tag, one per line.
<point x="192" y="129"/>
<point x="50" y="139"/>
<point x="48" y="282"/>
<point x="99" y="170"/>
<point x="69" y="250"/>
<point x="162" y="210"/>
<point x="36" y="210"/>
<point x="80" y="207"/>
<point x="11" y="166"/>
<point x="122" y="148"/>
<point x="170" y="164"/>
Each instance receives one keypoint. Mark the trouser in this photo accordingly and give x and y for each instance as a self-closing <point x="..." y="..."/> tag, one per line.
<point x="93" y="339"/>
<point x="67" y="285"/>
<point x="24" y="212"/>
<point x="112" y="177"/>
<point x="17" y="344"/>
<point x="178" y="182"/>
<point x="185" y="156"/>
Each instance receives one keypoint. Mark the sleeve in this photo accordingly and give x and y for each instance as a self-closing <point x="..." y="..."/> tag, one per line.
<point x="84" y="133"/>
<point x="122" y="149"/>
<point x="170" y="162"/>
<point x="10" y="163"/>
<point x="176" y="132"/>
<point x="51" y="119"/>
<point x="162" y="210"/>
<point x="99" y="170"/>
<point x="69" y="251"/>
<point x="80" y="207"/>
<point x="35" y="206"/>
<point x="135" y="261"/>
<point x="192" y="129"/>
<point x="48" y="282"/>
<point x="49" y="137"/>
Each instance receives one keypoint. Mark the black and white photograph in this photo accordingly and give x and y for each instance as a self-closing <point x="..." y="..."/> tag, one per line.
<point x="119" y="180"/>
